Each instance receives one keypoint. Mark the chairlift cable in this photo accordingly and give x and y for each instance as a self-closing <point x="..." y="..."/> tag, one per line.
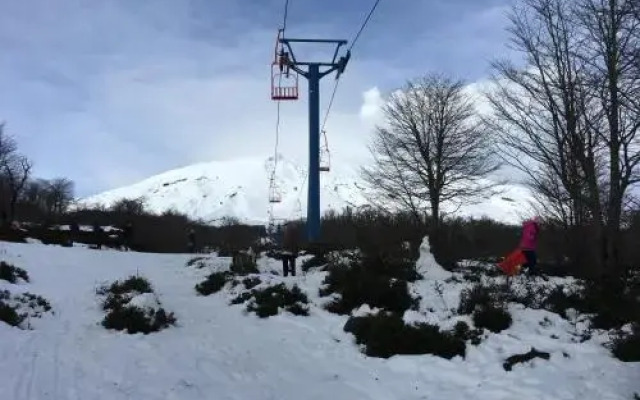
<point x="275" y="151"/>
<point x="304" y="181"/>
<point x="335" y="87"/>
<point x="357" y="36"/>
<point x="333" y="95"/>
<point x="286" y="12"/>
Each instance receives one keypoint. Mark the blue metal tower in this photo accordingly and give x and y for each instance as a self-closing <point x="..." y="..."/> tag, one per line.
<point x="314" y="72"/>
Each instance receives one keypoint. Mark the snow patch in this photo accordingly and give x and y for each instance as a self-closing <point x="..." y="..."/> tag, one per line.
<point x="146" y="301"/>
<point x="365" y="310"/>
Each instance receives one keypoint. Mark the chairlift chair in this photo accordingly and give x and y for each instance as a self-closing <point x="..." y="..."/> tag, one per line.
<point x="284" y="83"/>
<point x="325" y="159"/>
<point x="275" y="195"/>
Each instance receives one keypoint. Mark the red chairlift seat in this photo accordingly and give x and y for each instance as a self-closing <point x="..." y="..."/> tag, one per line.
<point x="284" y="83"/>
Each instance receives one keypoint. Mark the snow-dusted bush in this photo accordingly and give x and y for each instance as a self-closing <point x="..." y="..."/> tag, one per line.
<point x="9" y="234"/>
<point x="243" y="264"/>
<point x="268" y="301"/>
<point x="136" y="319"/>
<point x="214" y="283"/>
<point x="487" y="303"/>
<point x="197" y="262"/>
<point x="482" y="296"/>
<point x="11" y="273"/>
<point x="494" y="318"/>
<point x="561" y="298"/>
<point x="16" y="310"/>
<point x="615" y="301"/>
<point x="611" y="302"/>
<point x="386" y="334"/>
<point x="316" y="261"/>
<point x="626" y="345"/>
<point x="9" y="315"/>
<point x="376" y="280"/>
<point x="132" y="284"/>
<point x="251" y="282"/>
<point x="461" y="330"/>
<point x="132" y="305"/>
<point x="37" y="304"/>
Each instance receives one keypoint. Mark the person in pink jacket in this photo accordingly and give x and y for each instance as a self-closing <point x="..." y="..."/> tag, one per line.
<point x="529" y="242"/>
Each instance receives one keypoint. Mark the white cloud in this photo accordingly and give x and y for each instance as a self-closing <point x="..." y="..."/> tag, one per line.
<point x="372" y="105"/>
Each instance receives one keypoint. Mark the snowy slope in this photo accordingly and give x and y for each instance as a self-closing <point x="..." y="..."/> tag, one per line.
<point x="219" y="352"/>
<point x="239" y="188"/>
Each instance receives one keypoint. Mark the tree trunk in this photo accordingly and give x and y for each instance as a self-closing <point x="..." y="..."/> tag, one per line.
<point x="615" y="192"/>
<point x="12" y="206"/>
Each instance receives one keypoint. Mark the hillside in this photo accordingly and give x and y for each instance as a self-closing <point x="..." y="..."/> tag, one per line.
<point x="217" y="351"/>
<point x="239" y="188"/>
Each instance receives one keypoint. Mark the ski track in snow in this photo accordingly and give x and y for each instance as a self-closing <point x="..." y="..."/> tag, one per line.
<point x="216" y="351"/>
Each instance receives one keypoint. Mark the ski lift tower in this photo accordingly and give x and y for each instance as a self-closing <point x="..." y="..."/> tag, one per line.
<point x="314" y="71"/>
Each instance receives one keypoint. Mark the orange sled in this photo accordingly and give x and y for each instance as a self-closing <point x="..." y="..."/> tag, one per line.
<point x="512" y="263"/>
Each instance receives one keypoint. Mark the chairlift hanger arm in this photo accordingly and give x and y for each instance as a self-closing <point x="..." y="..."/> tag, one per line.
<point x="291" y="40"/>
<point x="339" y="66"/>
<point x="306" y="73"/>
<point x="335" y="53"/>
<point x="293" y="63"/>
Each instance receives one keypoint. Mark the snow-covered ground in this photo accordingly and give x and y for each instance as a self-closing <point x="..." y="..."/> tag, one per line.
<point x="217" y="351"/>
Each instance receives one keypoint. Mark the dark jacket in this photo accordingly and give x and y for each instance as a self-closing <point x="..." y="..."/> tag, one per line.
<point x="290" y="241"/>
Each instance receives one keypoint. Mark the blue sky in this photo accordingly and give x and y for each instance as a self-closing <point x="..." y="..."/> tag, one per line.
<point x="111" y="92"/>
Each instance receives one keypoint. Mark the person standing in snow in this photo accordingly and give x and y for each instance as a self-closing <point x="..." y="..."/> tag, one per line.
<point x="127" y="235"/>
<point x="99" y="234"/>
<point x="192" y="240"/>
<point x="289" y="250"/>
<point x="529" y="242"/>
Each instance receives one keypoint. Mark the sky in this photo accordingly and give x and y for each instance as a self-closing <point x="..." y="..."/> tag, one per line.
<point x="108" y="93"/>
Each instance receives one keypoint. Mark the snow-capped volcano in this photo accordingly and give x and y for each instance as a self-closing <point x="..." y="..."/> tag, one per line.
<point x="240" y="188"/>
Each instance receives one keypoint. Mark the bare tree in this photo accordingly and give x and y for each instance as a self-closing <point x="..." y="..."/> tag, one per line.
<point x="396" y="188"/>
<point x="59" y="195"/>
<point x="611" y="52"/>
<point x="543" y="114"/>
<point x="433" y="150"/>
<point x="130" y="207"/>
<point x="33" y="192"/>
<point x="8" y="148"/>
<point x="15" y="171"/>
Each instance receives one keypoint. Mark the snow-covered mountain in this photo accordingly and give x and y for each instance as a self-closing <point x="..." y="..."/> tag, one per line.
<point x="240" y="189"/>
